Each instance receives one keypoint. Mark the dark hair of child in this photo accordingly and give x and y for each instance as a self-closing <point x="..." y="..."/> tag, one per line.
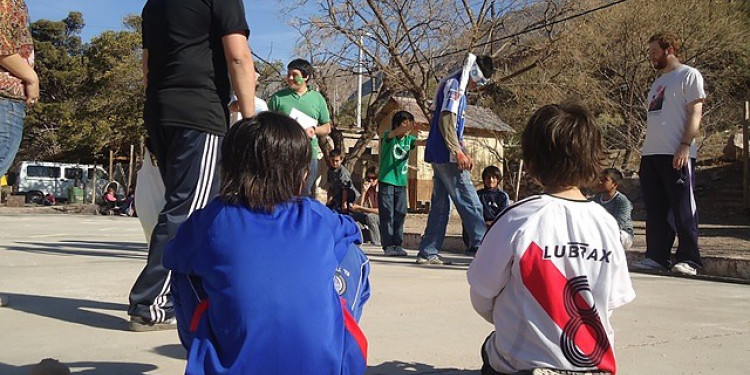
<point x="614" y="174"/>
<point x="491" y="171"/>
<point x="399" y="117"/>
<point x="264" y="161"/>
<point x="302" y="65"/>
<point x="562" y="146"/>
<point x="334" y="153"/>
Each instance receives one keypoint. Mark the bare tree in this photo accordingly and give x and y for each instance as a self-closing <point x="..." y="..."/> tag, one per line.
<point x="410" y="44"/>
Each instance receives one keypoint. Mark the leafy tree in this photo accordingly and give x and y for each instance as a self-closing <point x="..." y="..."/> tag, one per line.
<point x="92" y="95"/>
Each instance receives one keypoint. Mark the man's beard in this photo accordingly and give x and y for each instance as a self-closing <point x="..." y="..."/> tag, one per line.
<point x="660" y="64"/>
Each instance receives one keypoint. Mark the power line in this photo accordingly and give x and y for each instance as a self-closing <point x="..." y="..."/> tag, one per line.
<point x="517" y="34"/>
<point x="542" y="26"/>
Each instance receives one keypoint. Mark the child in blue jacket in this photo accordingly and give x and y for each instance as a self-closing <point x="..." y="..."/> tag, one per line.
<point x="257" y="274"/>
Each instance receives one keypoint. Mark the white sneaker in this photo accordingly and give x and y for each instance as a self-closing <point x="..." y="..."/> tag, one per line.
<point x="683" y="268"/>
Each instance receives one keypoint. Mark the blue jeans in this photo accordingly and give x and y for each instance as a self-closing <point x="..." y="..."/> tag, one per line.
<point x="451" y="183"/>
<point x="392" y="211"/>
<point x="312" y="175"/>
<point x="12" y="112"/>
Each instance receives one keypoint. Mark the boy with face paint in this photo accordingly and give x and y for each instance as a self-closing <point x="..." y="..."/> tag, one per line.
<point x="307" y="107"/>
<point x="446" y="152"/>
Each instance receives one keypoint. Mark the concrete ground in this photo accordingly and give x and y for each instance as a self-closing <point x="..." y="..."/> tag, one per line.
<point x="67" y="278"/>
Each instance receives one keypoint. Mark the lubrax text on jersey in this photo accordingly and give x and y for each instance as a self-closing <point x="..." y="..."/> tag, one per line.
<point x="577" y="250"/>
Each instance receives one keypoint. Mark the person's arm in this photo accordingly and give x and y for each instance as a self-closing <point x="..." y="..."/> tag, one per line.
<point x="483" y="306"/>
<point x="415" y="132"/>
<point x="490" y="272"/>
<point x="360" y="206"/>
<point x="399" y="131"/>
<point x="448" y="125"/>
<point x="344" y="199"/>
<point x="363" y="196"/>
<point x="623" y="210"/>
<point x="241" y="71"/>
<point x="144" y="67"/>
<point x="323" y="130"/>
<point x="695" y="111"/>
<point x="19" y="68"/>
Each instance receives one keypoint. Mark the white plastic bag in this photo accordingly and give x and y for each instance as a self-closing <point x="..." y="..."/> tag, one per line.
<point x="149" y="195"/>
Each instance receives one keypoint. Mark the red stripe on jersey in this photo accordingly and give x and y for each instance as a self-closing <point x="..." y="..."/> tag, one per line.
<point x="353" y="328"/>
<point x="199" y="310"/>
<point x="547" y="284"/>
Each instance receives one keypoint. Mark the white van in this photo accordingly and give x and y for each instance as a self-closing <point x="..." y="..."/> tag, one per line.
<point x="36" y="179"/>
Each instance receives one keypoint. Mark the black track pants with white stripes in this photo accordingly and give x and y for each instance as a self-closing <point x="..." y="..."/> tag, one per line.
<point x="188" y="162"/>
<point x="670" y="210"/>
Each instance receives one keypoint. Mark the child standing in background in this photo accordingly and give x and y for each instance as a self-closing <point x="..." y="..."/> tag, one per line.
<point x="395" y="145"/>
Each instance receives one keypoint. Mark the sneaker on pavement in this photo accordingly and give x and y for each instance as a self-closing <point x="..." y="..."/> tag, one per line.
<point x="432" y="259"/>
<point x="683" y="268"/>
<point x="647" y="264"/>
<point x="394" y="251"/>
<point x="138" y="324"/>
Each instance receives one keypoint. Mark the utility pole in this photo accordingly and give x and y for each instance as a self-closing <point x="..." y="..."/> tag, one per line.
<point x="359" y="82"/>
<point x="746" y="159"/>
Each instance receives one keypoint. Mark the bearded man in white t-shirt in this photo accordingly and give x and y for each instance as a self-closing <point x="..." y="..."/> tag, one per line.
<point x="667" y="173"/>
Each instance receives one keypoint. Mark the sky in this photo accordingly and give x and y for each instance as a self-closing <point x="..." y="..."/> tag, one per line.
<point x="270" y="37"/>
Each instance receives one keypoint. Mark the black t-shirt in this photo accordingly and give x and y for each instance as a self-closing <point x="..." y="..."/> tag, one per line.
<point x="188" y="81"/>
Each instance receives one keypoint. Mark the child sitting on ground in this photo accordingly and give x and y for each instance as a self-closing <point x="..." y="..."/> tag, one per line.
<point x="366" y="210"/>
<point x="341" y="191"/>
<point x="264" y="262"/>
<point x="493" y="199"/>
<point x="551" y="268"/>
<point x="616" y="203"/>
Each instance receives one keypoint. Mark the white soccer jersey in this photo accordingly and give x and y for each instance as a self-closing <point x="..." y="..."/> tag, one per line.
<point x="547" y="275"/>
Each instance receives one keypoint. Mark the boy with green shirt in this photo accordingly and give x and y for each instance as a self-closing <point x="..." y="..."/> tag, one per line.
<point x="306" y="106"/>
<point x="395" y="146"/>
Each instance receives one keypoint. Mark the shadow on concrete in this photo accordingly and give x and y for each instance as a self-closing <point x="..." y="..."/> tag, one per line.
<point x="129" y="250"/>
<point x="71" y="310"/>
<point x="456" y="263"/>
<point x="87" y="368"/>
<point x="175" y="351"/>
<point x="406" y="368"/>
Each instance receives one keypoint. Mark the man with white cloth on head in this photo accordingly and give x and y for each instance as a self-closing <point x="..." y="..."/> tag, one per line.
<point x="446" y="151"/>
